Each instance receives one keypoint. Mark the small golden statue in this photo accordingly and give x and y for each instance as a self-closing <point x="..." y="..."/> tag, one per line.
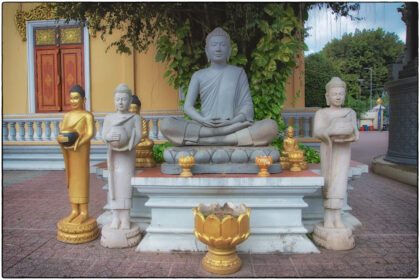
<point x="76" y="131"/>
<point x="263" y="163"/>
<point x="221" y="229"/>
<point x="144" y="150"/>
<point x="292" y="153"/>
<point x="186" y="163"/>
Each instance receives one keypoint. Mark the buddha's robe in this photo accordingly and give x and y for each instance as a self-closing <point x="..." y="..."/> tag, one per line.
<point x="77" y="162"/>
<point x="335" y="152"/>
<point x="223" y="94"/>
<point x="121" y="161"/>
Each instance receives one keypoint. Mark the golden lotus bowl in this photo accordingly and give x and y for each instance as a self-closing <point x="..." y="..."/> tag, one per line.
<point x="263" y="163"/>
<point x="295" y="158"/>
<point x="186" y="163"/>
<point x="221" y="235"/>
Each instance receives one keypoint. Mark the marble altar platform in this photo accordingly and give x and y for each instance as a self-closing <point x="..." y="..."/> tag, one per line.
<point x="141" y="213"/>
<point x="276" y="204"/>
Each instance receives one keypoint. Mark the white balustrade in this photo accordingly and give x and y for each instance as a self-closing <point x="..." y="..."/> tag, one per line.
<point x="38" y="129"/>
<point x="301" y="119"/>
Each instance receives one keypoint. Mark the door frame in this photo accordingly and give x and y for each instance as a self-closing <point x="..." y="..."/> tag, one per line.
<point x="30" y="25"/>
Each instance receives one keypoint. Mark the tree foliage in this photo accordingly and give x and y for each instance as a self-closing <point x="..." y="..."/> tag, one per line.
<point x="348" y="58"/>
<point x="318" y="72"/>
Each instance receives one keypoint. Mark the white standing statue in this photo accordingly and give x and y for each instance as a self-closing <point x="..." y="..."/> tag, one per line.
<point x="121" y="133"/>
<point x="336" y="128"/>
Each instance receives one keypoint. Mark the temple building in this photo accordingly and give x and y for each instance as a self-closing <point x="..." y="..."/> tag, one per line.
<point x="44" y="58"/>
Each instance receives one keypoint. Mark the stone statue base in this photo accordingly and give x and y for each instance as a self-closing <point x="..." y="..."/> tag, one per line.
<point x="77" y="233"/>
<point x="220" y="159"/>
<point x="120" y="238"/>
<point x="333" y="238"/>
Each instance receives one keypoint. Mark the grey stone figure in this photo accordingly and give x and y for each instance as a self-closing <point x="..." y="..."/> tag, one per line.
<point x="227" y="112"/>
<point x="336" y="128"/>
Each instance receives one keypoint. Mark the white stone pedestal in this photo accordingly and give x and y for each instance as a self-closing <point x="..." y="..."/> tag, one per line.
<point x="333" y="238"/>
<point x="276" y="204"/>
<point x="120" y="238"/>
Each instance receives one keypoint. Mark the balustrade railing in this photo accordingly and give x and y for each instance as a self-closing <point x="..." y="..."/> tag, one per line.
<point x="46" y="129"/>
<point x="302" y="119"/>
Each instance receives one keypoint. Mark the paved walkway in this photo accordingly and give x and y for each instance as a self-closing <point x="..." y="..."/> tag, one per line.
<point x="33" y="202"/>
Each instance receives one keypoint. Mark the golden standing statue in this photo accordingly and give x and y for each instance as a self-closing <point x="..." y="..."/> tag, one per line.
<point x="76" y="131"/>
<point x="291" y="151"/>
<point x="144" y="150"/>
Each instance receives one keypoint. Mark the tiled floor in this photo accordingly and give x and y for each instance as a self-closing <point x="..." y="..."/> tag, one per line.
<point x="33" y="202"/>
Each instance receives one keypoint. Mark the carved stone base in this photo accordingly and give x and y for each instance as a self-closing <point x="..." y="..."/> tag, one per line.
<point x="120" y="238"/>
<point x="333" y="238"/>
<point x="220" y="159"/>
<point x="221" y="261"/>
<point x="76" y="234"/>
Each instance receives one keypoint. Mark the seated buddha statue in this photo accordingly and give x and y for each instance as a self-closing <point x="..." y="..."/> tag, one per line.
<point x="144" y="150"/>
<point x="290" y="145"/>
<point x="226" y="116"/>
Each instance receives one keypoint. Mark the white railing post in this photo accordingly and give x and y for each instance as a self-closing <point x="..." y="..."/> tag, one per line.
<point x="306" y="126"/>
<point x="30" y="131"/>
<point x="12" y="130"/>
<point x="56" y="129"/>
<point x="155" y="129"/>
<point x="101" y="125"/>
<point x="5" y="132"/>
<point x="47" y="130"/>
<point x="38" y="131"/>
<point x="21" y="131"/>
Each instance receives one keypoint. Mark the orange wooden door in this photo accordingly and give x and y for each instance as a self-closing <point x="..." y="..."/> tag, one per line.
<point x="71" y="73"/>
<point x="48" y="81"/>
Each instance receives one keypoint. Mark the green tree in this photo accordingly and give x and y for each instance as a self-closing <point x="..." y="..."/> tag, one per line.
<point x="348" y="59"/>
<point x="364" y="49"/>
<point x="318" y="72"/>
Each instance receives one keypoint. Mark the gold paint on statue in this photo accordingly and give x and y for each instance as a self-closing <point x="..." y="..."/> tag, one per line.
<point x="144" y="150"/>
<point x="186" y="163"/>
<point x="221" y="236"/>
<point x="291" y="150"/>
<point x="263" y="163"/>
<point x="77" y="125"/>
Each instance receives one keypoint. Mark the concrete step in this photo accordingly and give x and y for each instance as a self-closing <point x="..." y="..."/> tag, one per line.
<point x="43" y="157"/>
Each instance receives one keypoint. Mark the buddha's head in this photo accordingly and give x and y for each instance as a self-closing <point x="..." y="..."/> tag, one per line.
<point x="335" y="92"/>
<point x="77" y="97"/>
<point x="122" y="98"/>
<point x="218" y="46"/>
<point x="290" y="132"/>
<point x="135" y="105"/>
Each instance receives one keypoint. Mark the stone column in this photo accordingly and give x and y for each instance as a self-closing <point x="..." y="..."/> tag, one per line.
<point x="403" y="102"/>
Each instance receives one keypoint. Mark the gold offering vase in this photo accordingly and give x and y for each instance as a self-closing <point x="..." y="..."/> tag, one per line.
<point x="263" y="163"/>
<point x="295" y="159"/>
<point x="221" y="233"/>
<point x="186" y="163"/>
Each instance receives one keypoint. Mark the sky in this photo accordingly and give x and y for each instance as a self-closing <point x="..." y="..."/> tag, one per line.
<point x="324" y="27"/>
